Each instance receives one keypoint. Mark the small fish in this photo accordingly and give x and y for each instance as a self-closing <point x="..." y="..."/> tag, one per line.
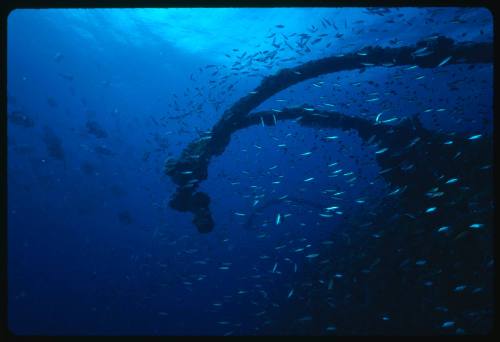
<point x="326" y="215"/>
<point x="332" y="137"/>
<point x="423" y="54"/>
<point x="452" y="180"/>
<point x="444" y="61"/>
<point x="308" y="179"/>
<point x="306" y="153"/>
<point x="239" y="214"/>
<point x="278" y="219"/>
<point x="411" y="67"/>
<point x="311" y="256"/>
<point x="448" y="324"/>
<point x="390" y="120"/>
<point x="274" y="268"/>
<point x="279" y="26"/>
<point x="431" y="209"/>
<point x="262" y="121"/>
<point x="475" y="137"/>
<point x="290" y="293"/>
<point x="476" y="225"/>
<point x="443" y="229"/>
<point x="420" y="51"/>
<point x="460" y="288"/>
<point x="294" y="267"/>
<point x="381" y="151"/>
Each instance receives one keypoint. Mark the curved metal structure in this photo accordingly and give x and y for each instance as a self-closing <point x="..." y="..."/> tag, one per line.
<point x="406" y="142"/>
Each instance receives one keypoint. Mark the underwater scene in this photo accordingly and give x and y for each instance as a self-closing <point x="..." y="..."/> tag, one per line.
<point x="250" y="171"/>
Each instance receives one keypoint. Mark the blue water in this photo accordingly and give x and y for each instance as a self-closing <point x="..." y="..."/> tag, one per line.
<point x="108" y="95"/>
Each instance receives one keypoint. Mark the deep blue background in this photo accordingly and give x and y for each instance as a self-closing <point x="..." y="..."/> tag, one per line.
<point x="75" y="268"/>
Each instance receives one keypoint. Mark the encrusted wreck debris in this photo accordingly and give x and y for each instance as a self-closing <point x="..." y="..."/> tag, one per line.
<point x="406" y="142"/>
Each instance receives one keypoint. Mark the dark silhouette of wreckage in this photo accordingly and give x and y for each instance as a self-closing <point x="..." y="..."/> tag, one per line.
<point x="423" y="148"/>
